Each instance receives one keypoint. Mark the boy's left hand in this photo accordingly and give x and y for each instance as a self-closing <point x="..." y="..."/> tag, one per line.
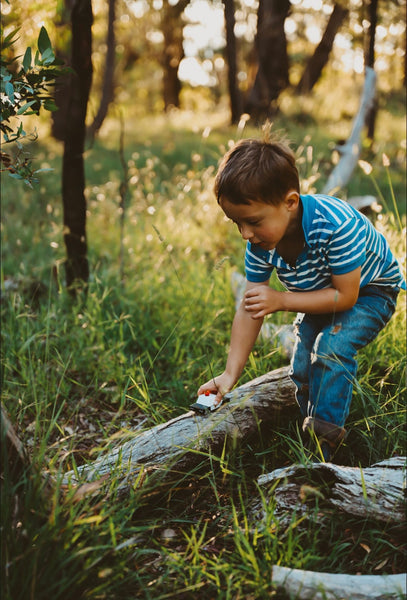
<point x="261" y="301"/>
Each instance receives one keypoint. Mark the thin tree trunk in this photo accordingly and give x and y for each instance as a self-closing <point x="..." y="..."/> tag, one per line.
<point x="172" y="29"/>
<point x="59" y="118"/>
<point x="369" y="62"/>
<point x="108" y="79"/>
<point x="320" y="57"/>
<point x="73" y="170"/>
<point x="234" y="92"/>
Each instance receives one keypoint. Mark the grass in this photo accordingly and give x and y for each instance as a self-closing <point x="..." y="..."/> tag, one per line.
<point x="77" y="376"/>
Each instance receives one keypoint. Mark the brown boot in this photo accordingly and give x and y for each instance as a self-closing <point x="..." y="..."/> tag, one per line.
<point x="329" y="435"/>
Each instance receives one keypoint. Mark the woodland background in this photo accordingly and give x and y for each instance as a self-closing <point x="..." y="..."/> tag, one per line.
<point x="116" y="285"/>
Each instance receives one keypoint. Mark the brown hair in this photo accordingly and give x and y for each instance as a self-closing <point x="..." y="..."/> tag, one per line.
<point x="257" y="170"/>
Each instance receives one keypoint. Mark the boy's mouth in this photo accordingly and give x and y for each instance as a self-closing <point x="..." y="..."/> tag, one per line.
<point x="262" y="245"/>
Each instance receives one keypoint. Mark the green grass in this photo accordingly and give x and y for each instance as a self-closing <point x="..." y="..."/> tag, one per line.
<point x="78" y="375"/>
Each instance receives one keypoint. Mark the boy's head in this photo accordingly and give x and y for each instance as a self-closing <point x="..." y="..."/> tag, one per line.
<point x="263" y="171"/>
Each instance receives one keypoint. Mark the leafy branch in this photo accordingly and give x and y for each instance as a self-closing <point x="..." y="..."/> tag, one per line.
<point x="25" y="91"/>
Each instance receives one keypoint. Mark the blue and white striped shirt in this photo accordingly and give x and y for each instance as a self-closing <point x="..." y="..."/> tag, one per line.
<point x="338" y="239"/>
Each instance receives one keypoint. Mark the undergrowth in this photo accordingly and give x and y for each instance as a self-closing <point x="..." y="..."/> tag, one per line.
<point x="79" y="376"/>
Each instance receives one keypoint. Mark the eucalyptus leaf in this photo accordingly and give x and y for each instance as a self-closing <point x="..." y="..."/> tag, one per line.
<point x="44" y="43"/>
<point x="27" y="59"/>
<point x="25" y="107"/>
<point x="9" y="89"/>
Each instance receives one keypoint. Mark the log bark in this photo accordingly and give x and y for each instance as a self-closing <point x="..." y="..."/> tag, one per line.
<point x="180" y="443"/>
<point x="308" y="585"/>
<point x="376" y="492"/>
<point x="351" y="149"/>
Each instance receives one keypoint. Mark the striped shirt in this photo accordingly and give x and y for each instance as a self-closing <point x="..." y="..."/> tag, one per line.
<point x="338" y="239"/>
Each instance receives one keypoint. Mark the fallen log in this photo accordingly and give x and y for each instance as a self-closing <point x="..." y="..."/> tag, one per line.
<point x="180" y="443"/>
<point x="308" y="585"/>
<point x="375" y="493"/>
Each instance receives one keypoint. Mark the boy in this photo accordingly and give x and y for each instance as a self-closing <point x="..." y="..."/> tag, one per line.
<point x="340" y="275"/>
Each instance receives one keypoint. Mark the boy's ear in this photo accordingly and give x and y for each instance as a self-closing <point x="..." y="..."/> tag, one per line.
<point x="292" y="199"/>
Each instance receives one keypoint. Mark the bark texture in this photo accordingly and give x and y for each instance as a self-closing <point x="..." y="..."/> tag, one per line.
<point x="375" y="493"/>
<point x="73" y="169"/>
<point x="308" y="585"/>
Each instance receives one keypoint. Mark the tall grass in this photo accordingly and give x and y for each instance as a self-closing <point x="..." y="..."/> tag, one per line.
<point x="77" y="376"/>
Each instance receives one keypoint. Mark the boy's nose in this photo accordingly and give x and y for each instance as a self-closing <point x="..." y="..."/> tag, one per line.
<point x="246" y="232"/>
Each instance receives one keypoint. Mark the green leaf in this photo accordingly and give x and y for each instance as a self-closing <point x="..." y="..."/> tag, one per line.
<point x="44" y="43"/>
<point x="10" y="38"/>
<point x="50" y="105"/>
<point x="48" y="56"/>
<point x="27" y="60"/>
<point x="25" y="107"/>
<point x="9" y="89"/>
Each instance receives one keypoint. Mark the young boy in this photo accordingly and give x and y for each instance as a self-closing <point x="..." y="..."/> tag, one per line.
<point x="340" y="275"/>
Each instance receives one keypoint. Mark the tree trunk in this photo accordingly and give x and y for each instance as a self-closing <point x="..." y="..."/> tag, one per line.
<point x="272" y="74"/>
<point x="234" y="92"/>
<point x="369" y="62"/>
<point x="59" y="118"/>
<point x="108" y="79"/>
<point x="320" y="57"/>
<point x="73" y="170"/>
<point x="172" y="29"/>
<point x="178" y="444"/>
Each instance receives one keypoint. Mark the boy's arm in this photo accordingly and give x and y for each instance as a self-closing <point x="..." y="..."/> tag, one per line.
<point x="342" y="295"/>
<point x="245" y="330"/>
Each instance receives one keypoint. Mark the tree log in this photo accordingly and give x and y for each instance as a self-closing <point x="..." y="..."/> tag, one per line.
<point x="308" y="585"/>
<point x="375" y="492"/>
<point x="179" y="443"/>
<point x="351" y="150"/>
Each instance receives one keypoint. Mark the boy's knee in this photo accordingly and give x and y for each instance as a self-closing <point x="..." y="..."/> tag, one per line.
<point x="331" y="343"/>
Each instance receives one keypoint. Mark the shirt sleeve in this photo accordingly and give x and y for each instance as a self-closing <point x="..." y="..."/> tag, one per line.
<point x="347" y="247"/>
<point x="257" y="268"/>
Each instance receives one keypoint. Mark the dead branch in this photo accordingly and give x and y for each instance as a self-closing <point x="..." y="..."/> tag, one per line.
<point x="375" y="492"/>
<point x="351" y="149"/>
<point x="308" y="585"/>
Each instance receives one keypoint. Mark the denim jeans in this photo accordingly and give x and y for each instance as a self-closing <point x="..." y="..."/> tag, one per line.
<point x="323" y="366"/>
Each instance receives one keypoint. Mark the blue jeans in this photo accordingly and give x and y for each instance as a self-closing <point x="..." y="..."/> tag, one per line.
<point x="323" y="366"/>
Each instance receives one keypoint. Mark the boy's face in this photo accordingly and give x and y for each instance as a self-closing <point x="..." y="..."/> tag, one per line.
<point x="264" y="225"/>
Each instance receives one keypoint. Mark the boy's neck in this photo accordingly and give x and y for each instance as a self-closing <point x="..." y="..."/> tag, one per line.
<point x="290" y="247"/>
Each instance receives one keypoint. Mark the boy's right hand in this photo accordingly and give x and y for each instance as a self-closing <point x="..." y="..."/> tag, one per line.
<point x="218" y="385"/>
